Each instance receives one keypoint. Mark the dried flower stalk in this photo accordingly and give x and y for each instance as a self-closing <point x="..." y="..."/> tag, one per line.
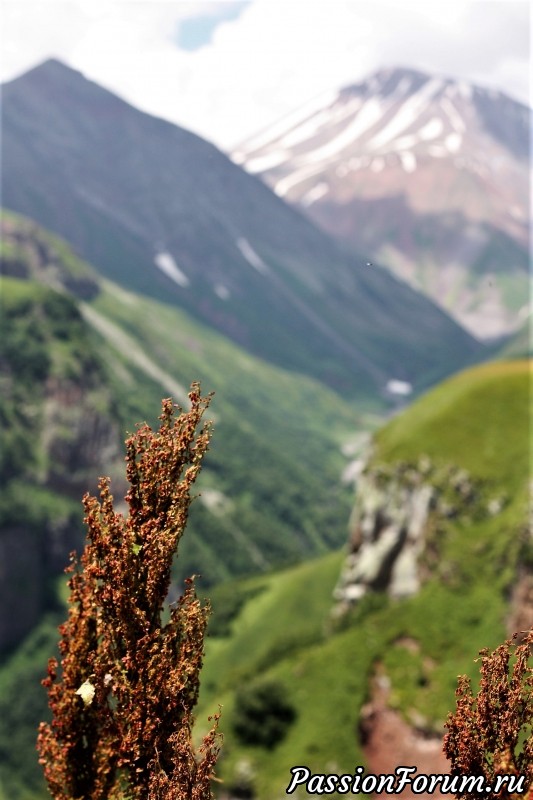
<point x="122" y="703"/>
<point x="492" y="734"/>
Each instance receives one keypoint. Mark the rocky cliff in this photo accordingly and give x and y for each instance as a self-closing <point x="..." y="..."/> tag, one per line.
<point x="59" y="423"/>
<point x="395" y="525"/>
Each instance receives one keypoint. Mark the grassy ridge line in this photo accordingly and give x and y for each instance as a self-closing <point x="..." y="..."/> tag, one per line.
<point x="479" y="419"/>
<point x="284" y="630"/>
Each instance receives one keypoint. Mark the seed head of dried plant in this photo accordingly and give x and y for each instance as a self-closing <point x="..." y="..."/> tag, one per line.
<point x="492" y="734"/>
<point x="123" y="696"/>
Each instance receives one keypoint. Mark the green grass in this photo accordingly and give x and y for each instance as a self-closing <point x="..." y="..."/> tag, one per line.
<point x="23" y="250"/>
<point x="275" y="455"/>
<point x="479" y="419"/>
<point x="283" y="629"/>
<point x="23" y="703"/>
<point x="275" y="460"/>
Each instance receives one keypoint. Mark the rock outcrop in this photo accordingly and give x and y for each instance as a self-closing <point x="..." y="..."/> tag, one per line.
<point x="396" y="514"/>
<point x="388" y="526"/>
<point x="77" y="441"/>
<point x="60" y="422"/>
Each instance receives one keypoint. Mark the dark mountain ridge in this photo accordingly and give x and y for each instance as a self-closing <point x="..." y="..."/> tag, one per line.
<point x="166" y="214"/>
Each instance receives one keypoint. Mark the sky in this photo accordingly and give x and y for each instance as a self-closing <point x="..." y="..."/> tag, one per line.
<point x="225" y="69"/>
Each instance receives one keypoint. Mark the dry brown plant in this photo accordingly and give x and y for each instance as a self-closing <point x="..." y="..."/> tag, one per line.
<point x="123" y="695"/>
<point x="491" y="734"/>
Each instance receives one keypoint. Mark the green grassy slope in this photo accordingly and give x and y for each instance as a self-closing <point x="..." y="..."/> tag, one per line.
<point x="52" y="382"/>
<point x="270" y="491"/>
<point x="478" y="419"/>
<point x="283" y="630"/>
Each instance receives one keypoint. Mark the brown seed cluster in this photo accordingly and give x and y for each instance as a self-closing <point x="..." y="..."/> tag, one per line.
<point x="127" y="733"/>
<point x="492" y="734"/>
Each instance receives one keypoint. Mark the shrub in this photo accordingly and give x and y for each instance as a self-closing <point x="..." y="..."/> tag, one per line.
<point x="262" y="713"/>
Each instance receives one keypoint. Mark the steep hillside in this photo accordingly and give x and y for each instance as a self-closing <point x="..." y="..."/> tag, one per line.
<point x="384" y="666"/>
<point x="261" y="505"/>
<point x="77" y="372"/>
<point x="162" y="212"/>
<point x="429" y="176"/>
<point x="59" y="432"/>
<point x="278" y="628"/>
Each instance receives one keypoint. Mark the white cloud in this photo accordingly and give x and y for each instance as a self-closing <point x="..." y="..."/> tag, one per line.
<point x="276" y="56"/>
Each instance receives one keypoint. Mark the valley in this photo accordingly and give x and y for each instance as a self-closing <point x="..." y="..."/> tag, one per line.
<point x="163" y="213"/>
<point x="362" y="524"/>
<point x="475" y="550"/>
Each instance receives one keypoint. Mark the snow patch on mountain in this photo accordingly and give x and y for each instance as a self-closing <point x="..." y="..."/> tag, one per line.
<point x="282" y="187"/>
<point x="400" y="388"/>
<point x="268" y="161"/>
<point x="453" y="115"/>
<point x="166" y="263"/>
<point x="222" y="291"/>
<point x="315" y="194"/>
<point x="288" y="122"/>
<point x="407" y="114"/>
<point x="408" y="160"/>
<point x="431" y="129"/>
<point x="453" y="142"/>
<point x="251" y="256"/>
<point x="369" y="115"/>
<point x="306" y="130"/>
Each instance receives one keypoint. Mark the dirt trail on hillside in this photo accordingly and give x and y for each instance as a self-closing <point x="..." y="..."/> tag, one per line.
<point x="390" y="742"/>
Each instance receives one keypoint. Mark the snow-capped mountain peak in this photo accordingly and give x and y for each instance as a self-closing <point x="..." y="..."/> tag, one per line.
<point x="399" y="115"/>
<point x="375" y="163"/>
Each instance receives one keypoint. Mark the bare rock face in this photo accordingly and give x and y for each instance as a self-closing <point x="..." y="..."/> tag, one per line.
<point x="78" y="442"/>
<point x="80" y="435"/>
<point x="520" y="619"/>
<point x="396" y="507"/>
<point x="387" y="537"/>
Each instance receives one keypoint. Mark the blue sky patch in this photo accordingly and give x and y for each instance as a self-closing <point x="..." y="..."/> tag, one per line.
<point x="196" y="32"/>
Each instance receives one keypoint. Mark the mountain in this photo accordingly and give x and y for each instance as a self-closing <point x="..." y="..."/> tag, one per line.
<point x="81" y="362"/>
<point x="428" y="175"/>
<point x="371" y="680"/>
<point x="79" y="367"/>
<point x="163" y="213"/>
<point x="78" y="372"/>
